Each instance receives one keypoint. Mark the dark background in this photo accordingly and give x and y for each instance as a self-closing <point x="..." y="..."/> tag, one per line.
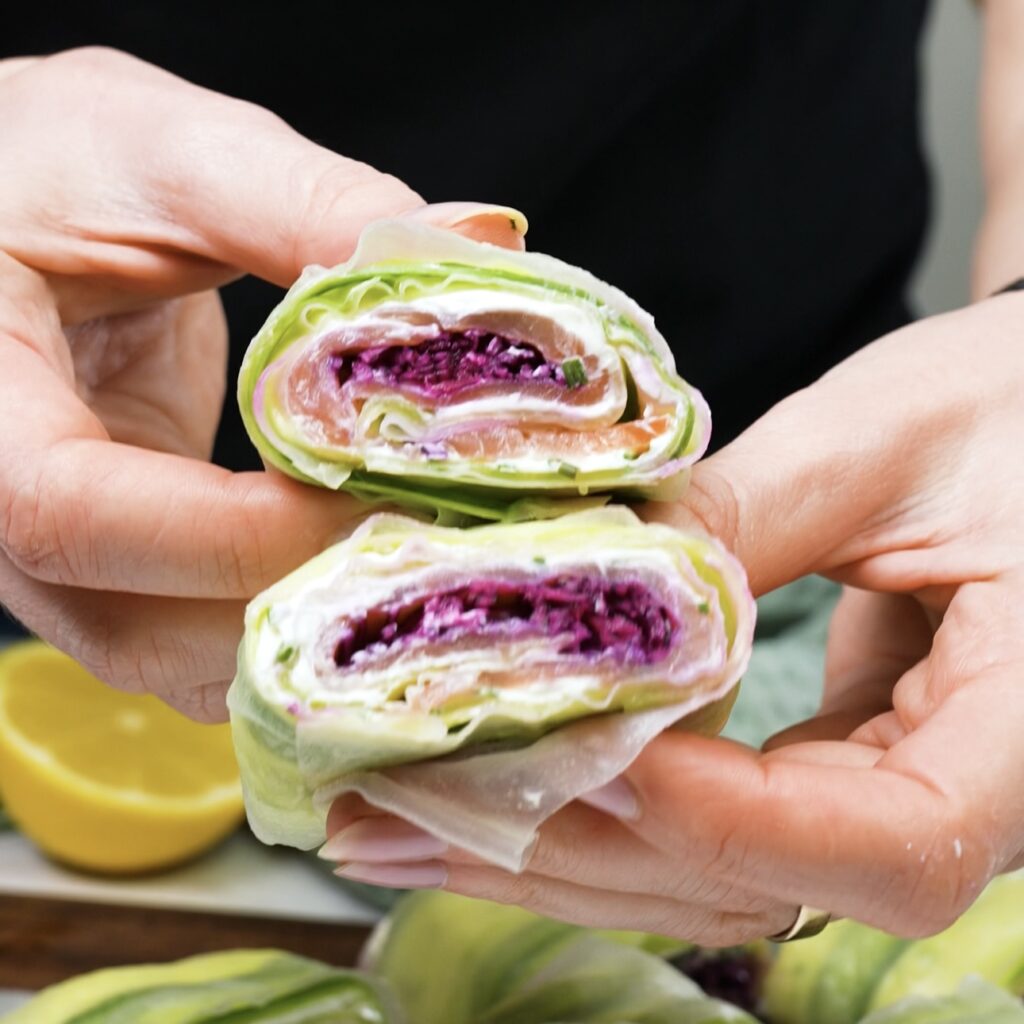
<point x="749" y="172"/>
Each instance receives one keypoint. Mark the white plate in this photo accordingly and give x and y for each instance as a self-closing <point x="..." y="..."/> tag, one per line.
<point x="11" y="999"/>
<point x="240" y="877"/>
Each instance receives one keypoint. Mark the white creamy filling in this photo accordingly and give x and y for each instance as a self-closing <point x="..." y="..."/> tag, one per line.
<point x="583" y="322"/>
<point x="303" y="622"/>
<point x="407" y="434"/>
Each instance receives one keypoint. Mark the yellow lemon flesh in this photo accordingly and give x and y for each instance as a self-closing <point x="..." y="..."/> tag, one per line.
<point x="103" y="780"/>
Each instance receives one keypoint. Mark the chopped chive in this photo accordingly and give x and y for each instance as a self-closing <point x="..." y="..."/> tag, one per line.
<point x="569" y="470"/>
<point x="575" y="375"/>
<point x="540" y="559"/>
<point x="631" y="456"/>
<point x="703" y="607"/>
<point x="285" y="654"/>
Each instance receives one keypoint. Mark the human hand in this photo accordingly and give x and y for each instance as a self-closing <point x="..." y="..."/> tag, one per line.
<point x="900" y="473"/>
<point x="127" y="196"/>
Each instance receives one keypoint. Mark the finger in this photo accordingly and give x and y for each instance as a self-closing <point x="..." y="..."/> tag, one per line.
<point x="882" y="732"/>
<point x="206" y="703"/>
<point x="376" y="837"/>
<point x="251" y="192"/>
<point x="578" y="845"/>
<point x="12" y="65"/>
<point x="817" y="824"/>
<point x="770" y="495"/>
<point x="83" y="511"/>
<point x="191" y="187"/>
<point x="905" y="844"/>
<point x="349" y="809"/>
<point x="497" y="225"/>
<point x="577" y="904"/>
<point x="181" y="651"/>
<point x="835" y="725"/>
<point x="601" y="908"/>
<point x="156" y="378"/>
<point x="964" y="713"/>
<point x="583" y="846"/>
<point x="873" y="640"/>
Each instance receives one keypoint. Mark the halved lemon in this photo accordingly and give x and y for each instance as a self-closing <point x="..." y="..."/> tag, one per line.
<point x="104" y="780"/>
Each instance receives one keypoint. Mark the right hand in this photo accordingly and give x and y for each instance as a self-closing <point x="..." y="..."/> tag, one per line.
<point x="127" y="196"/>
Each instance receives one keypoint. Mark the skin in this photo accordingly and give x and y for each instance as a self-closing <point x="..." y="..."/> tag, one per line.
<point x="127" y="197"/>
<point x="900" y="474"/>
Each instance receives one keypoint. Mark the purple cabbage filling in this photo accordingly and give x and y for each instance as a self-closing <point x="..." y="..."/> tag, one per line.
<point x="737" y="976"/>
<point x="594" y="617"/>
<point x="447" y="364"/>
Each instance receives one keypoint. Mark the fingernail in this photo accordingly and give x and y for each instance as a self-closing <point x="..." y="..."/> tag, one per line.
<point x="382" y="840"/>
<point x="452" y="214"/>
<point x="617" y="798"/>
<point x="430" y="875"/>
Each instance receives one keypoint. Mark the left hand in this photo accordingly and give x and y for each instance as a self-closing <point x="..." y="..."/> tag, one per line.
<point x="127" y="197"/>
<point x="901" y="474"/>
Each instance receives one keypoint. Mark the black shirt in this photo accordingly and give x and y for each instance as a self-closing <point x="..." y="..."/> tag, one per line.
<point x="749" y="172"/>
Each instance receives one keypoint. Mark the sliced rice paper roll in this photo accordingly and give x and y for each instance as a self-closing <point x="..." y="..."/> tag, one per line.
<point x="442" y="373"/>
<point x="467" y="679"/>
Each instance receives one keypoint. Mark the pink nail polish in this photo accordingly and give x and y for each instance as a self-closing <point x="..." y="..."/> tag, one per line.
<point x="429" y="875"/>
<point x="382" y="840"/>
<point x="617" y="798"/>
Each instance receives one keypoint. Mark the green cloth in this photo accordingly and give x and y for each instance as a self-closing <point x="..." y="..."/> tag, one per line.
<point x="784" y="681"/>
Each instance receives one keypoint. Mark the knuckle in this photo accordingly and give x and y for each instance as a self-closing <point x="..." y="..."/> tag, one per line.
<point x="524" y="891"/>
<point x="727" y="858"/>
<point x="561" y="859"/>
<point x="705" y="926"/>
<point x="95" y="640"/>
<point x="172" y="664"/>
<point x="333" y="187"/>
<point x="93" y="55"/>
<point x="96" y="60"/>
<point x="36" y="537"/>
<point x="714" y="504"/>
<point x="240" y="559"/>
<point x="519" y="890"/>
<point x="721" y="892"/>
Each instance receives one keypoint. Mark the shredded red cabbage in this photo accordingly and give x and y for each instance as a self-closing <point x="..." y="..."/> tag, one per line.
<point x="592" y="617"/>
<point x="449" y="363"/>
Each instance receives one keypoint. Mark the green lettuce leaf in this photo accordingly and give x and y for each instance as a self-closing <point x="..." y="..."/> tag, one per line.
<point x="974" y="1002"/>
<point x="239" y="986"/>
<point x="504" y="965"/>
<point x="399" y="263"/>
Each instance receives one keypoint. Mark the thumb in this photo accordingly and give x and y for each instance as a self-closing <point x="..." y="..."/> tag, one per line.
<point x="817" y="484"/>
<point x="499" y="225"/>
<point x="268" y="201"/>
<point x="133" y="181"/>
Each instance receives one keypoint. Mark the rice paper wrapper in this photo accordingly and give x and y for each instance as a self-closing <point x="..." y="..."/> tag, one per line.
<point x="625" y="423"/>
<point x="492" y="804"/>
<point x="484" y="783"/>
